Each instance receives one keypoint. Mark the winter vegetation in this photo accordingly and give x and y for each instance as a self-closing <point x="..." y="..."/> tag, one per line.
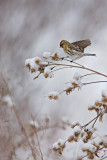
<point x="91" y="145"/>
<point x="52" y="108"/>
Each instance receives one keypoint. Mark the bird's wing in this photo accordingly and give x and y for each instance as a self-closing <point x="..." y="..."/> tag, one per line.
<point x="81" y="45"/>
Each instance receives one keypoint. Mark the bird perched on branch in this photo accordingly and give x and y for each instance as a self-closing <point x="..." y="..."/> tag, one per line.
<point x="75" y="50"/>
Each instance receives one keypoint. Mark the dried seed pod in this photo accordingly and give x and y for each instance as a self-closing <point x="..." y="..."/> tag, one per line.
<point x="71" y="138"/>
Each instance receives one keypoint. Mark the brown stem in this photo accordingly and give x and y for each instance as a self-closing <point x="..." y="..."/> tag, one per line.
<point x="104" y="157"/>
<point x="19" y="121"/>
<point x="94" y="82"/>
<point x="35" y="130"/>
<point x="91" y="121"/>
<point x="87" y="75"/>
<point x="79" y="67"/>
<point x="59" y="69"/>
<point x="95" y="122"/>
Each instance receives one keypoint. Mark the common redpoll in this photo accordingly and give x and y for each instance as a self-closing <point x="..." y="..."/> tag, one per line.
<point x="75" y="50"/>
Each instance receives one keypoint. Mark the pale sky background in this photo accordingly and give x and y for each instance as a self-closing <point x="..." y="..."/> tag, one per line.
<point x="27" y="29"/>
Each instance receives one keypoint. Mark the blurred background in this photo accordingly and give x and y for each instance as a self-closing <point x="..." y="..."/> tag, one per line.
<point x="27" y="29"/>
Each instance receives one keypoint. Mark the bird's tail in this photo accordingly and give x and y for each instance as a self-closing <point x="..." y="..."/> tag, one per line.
<point x="89" y="54"/>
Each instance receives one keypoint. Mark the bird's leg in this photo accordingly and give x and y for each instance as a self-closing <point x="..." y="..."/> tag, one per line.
<point x="63" y="58"/>
<point x="77" y="63"/>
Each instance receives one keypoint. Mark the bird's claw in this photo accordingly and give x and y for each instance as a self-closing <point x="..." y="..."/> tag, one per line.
<point x="62" y="58"/>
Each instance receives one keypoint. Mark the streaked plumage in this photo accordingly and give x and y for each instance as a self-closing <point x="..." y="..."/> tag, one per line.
<point x="75" y="50"/>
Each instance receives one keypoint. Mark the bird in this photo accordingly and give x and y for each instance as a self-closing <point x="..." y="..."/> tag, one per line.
<point x="75" y="50"/>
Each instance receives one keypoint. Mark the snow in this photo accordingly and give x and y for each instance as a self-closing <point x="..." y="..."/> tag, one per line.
<point x="46" y="55"/>
<point x="78" y="82"/>
<point x="53" y="95"/>
<point x="27" y="61"/>
<point x="8" y="100"/>
<point x="71" y="134"/>
<point x="66" y="120"/>
<point x="77" y="76"/>
<point x="77" y="129"/>
<point x="56" y="146"/>
<point x="38" y="60"/>
<point x="104" y="92"/>
<point x="34" y="124"/>
<point x="61" y="142"/>
<point x="48" y="72"/>
<point x="31" y="62"/>
<point x="44" y="63"/>
<point x="74" y="123"/>
<point x="89" y="146"/>
<point x="97" y="141"/>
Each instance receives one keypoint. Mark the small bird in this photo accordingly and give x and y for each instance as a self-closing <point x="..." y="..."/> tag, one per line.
<point x="75" y="50"/>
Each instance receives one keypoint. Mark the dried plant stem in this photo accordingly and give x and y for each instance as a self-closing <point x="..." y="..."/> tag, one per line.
<point x="23" y="130"/>
<point x="83" y="84"/>
<point x="93" y="82"/>
<point x="104" y="157"/>
<point x="81" y="67"/>
<point x="92" y="121"/>
<point x="87" y="75"/>
<point x="59" y="69"/>
<point x="37" y="139"/>
<point x="19" y="121"/>
<point x="72" y="61"/>
<point x="95" y="121"/>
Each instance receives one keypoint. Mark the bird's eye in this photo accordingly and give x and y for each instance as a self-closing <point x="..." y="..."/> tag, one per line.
<point x="61" y="45"/>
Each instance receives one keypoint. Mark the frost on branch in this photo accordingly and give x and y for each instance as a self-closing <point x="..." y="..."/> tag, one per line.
<point x="32" y="64"/>
<point x="59" y="146"/>
<point x="47" y="55"/>
<point x="53" y="95"/>
<point x="77" y="76"/>
<point x="91" y="144"/>
<point x="50" y="56"/>
<point x="34" y="124"/>
<point x="74" y="83"/>
<point x="38" y="65"/>
<point x="100" y="107"/>
<point x="48" y="73"/>
<point x="74" y="134"/>
<point x="55" y="57"/>
<point x="7" y="100"/>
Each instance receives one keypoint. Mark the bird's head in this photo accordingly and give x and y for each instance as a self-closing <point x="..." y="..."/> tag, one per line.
<point x="62" y="43"/>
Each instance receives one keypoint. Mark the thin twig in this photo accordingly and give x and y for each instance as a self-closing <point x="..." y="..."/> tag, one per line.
<point x="19" y="121"/>
<point x="91" y="121"/>
<point x="37" y="139"/>
<point x="83" y="84"/>
<point x="95" y="121"/>
<point x="64" y="58"/>
<point x="36" y="76"/>
<point x="85" y="68"/>
<point x="93" y="82"/>
<point x="104" y="157"/>
<point x="59" y="69"/>
<point x="87" y="75"/>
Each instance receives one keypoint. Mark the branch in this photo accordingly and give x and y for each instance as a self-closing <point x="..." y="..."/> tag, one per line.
<point x="92" y="121"/>
<point x="67" y="65"/>
<point x="104" y="157"/>
<point x="87" y="75"/>
<point x="19" y="121"/>
<point x="94" y="82"/>
<point x="37" y="139"/>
